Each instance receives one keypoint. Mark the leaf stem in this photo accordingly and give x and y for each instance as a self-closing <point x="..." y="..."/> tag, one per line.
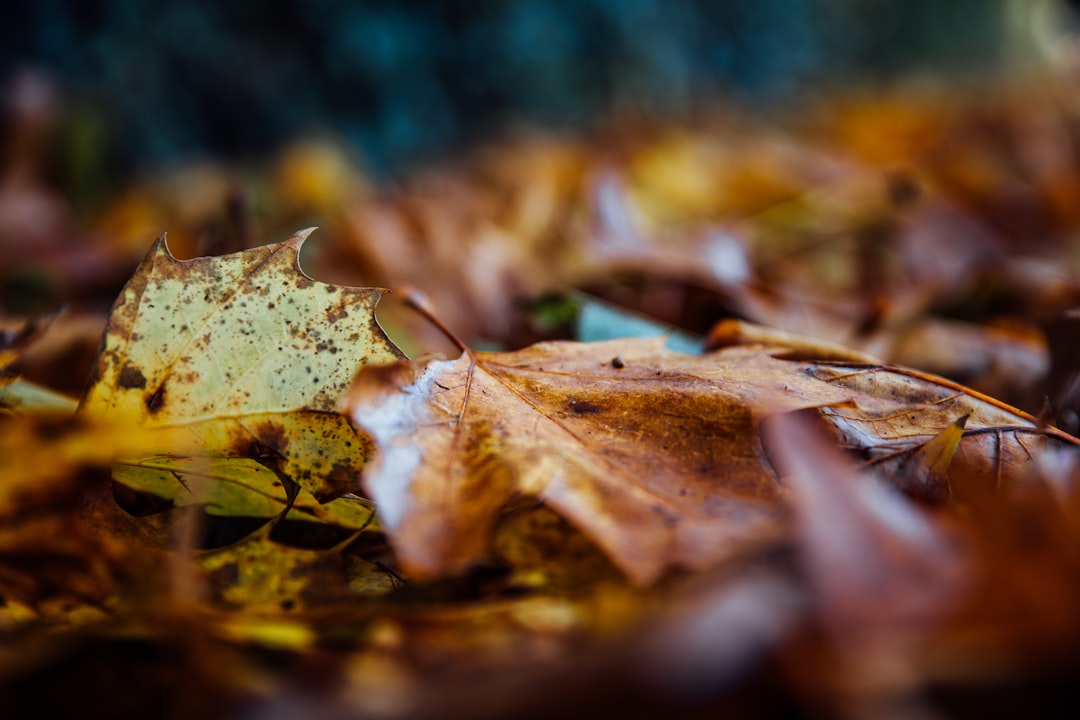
<point x="418" y="301"/>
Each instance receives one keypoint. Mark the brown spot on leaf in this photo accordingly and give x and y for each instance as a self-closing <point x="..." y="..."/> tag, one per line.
<point x="265" y="439"/>
<point x="584" y="407"/>
<point x="156" y="399"/>
<point x="340" y="480"/>
<point x="336" y="312"/>
<point x="132" y="377"/>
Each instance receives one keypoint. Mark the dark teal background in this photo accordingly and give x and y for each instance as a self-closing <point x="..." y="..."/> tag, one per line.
<point x="401" y="82"/>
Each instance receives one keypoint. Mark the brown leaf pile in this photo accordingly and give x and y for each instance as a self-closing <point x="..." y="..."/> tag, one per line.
<point x="261" y="507"/>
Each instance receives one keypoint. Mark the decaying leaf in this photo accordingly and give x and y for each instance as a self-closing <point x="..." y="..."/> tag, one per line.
<point x="654" y="455"/>
<point x="900" y="411"/>
<point x="244" y="356"/>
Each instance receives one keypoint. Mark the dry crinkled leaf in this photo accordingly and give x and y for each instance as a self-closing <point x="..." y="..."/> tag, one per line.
<point x="246" y="356"/>
<point x="652" y="454"/>
<point x="655" y="456"/>
<point x="900" y="411"/>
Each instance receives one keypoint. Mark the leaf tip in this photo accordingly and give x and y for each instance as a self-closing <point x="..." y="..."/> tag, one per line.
<point x="297" y="238"/>
<point x="160" y="248"/>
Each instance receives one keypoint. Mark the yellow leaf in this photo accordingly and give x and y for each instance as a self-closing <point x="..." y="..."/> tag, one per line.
<point x="237" y="487"/>
<point x="241" y="356"/>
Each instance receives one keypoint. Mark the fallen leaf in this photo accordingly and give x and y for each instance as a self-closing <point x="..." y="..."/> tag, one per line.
<point x="735" y="332"/>
<point x="655" y="457"/>
<point x="899" y="411"/>
<point x="242" y="356"/>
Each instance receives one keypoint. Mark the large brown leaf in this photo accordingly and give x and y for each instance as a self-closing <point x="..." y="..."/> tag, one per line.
<point x="654" y="455"/>
<point x="651" y="453"/>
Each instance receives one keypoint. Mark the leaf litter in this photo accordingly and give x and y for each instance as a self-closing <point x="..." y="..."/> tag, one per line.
<point x="568" y="523"/>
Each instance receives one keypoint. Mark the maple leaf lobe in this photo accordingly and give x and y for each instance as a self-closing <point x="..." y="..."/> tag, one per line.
<point x="241" y="354"/>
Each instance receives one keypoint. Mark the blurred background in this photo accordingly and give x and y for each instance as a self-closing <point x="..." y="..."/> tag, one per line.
<point x="149" y="84"/>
